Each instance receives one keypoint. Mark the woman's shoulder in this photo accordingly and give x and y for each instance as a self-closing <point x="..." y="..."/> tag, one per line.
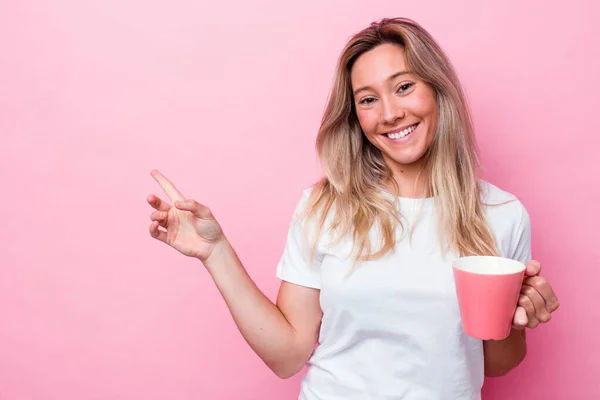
<point x="492" y="194"/>
<point x="312" y="194"/>
<point x="509" y="221"/>
<point x="502" y="206"/>
<point x="305" y="194"/>
<point x="305" y="203"/>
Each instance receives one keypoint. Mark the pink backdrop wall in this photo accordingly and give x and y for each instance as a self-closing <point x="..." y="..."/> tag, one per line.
<point x="225" y="99"/>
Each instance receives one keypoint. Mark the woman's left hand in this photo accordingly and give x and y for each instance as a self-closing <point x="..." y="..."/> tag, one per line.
<point x="536" y="301"/>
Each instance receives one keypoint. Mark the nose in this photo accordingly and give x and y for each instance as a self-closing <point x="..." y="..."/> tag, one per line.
<point x="391" y="111"/>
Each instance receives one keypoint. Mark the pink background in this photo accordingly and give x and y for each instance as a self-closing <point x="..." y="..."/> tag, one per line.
<point x="225" y="99"/>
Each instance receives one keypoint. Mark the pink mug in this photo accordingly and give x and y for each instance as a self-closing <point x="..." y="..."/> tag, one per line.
<point x="488" y="290"/>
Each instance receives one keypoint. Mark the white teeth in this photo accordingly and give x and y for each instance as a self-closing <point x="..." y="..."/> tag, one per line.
<point x="401" y="134"/>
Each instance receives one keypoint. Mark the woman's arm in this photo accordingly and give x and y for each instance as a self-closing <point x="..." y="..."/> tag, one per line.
<point x="282" y="335"/>
<point x="537" y="302"/>
<point x="501" y="356"/>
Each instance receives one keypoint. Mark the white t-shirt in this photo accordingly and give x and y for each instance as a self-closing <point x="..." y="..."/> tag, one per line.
<point x="391" y="329"/>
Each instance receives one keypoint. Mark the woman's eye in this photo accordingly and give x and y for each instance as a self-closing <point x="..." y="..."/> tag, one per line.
<point x="404" y="87"/>
<point x="367" y="101"/>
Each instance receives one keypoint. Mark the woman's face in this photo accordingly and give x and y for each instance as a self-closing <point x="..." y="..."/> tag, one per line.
<point x="397" y="111"/>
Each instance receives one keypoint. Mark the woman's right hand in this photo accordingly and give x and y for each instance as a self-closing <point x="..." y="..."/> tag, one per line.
<point x="189" y="227"/>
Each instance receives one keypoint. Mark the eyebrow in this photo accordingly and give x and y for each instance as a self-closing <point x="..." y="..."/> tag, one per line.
<point x="391" y="77"/>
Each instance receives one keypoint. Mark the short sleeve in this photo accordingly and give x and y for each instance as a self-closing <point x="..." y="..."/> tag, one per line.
<point x="295" y="265"/>
<point x="521" y="240"/>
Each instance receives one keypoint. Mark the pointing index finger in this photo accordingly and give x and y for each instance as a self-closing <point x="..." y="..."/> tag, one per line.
<point x="167" y="186"/>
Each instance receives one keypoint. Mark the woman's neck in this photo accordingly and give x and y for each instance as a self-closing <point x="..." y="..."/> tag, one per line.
<point x="410" y="182"/>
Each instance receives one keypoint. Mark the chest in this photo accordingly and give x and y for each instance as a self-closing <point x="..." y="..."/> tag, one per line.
<point x="415" y="277"/>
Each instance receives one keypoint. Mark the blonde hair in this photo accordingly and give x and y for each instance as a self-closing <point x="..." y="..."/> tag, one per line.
<point x="352" y="195"/>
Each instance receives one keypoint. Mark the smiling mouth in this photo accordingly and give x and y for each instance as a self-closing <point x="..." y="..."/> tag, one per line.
<point x="402" y="133"/>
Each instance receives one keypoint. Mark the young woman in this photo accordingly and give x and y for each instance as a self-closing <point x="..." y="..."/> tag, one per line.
<point x="366" y="271"/>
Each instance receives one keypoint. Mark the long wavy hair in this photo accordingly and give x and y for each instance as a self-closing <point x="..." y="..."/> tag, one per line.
<point x="351" y="198"/>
